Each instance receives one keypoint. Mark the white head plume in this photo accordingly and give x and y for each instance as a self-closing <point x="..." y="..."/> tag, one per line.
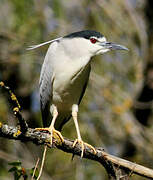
<point x="42" y="44"/>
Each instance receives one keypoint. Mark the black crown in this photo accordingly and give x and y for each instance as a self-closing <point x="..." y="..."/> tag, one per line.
<point x="85" y="34"/>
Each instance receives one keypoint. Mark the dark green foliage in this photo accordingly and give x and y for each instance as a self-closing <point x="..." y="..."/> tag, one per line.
<point x="20" y="172"/>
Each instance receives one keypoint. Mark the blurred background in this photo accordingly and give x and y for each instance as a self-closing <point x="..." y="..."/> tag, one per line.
<point x="116" y="111"/>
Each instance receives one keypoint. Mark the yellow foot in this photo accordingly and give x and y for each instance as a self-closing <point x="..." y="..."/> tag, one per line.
<point x="54" y="133"/>
<point x="83" y="144"/>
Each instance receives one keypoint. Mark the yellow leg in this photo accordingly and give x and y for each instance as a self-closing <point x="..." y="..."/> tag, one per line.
<point x="79" y="139"/>
<point x="51" y="128"/>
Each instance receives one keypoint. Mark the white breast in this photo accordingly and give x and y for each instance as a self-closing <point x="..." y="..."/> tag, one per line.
<point x="70" y="75"/>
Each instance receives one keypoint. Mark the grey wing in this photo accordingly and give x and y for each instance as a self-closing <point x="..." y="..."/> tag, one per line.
<point x="86" y="83"/>
<point x="45" y="89"/>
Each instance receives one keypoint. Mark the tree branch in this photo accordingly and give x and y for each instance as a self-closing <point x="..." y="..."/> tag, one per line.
<point x="110" y="162"/>
<point x="116" y="168"/>
<point x="17" y="107"/>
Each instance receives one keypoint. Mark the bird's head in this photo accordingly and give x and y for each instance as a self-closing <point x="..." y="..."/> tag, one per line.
<point x="90" y="43"/>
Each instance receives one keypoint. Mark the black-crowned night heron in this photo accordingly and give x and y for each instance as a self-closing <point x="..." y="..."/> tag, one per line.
<point x="64" y="77"/>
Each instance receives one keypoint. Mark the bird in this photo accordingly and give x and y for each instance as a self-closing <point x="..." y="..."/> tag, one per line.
<point x="64" y="77"/>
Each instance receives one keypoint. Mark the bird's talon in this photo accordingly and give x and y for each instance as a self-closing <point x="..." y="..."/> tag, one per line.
<point x="53" y="133"/>
<point x="59" y="135"/>
<point x="83" y="146"/>
<point x="91" y="147"/>
<point x="75" y="142"/>
<point x="42" y="129"/>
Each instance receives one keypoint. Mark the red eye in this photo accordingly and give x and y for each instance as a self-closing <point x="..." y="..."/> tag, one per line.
<point x="93" y="40"/>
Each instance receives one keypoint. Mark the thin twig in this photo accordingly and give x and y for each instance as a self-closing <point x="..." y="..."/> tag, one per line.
<point x="16" y="107"/>
<point x="42" y="163"/>
<point x="34" y="171"/>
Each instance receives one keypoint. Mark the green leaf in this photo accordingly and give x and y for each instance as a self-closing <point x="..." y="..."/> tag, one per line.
<point x="17" y="175"/>
<point x="36" y="173"/>
<point x="15" y="163"/>
<point x="12" y="169"/>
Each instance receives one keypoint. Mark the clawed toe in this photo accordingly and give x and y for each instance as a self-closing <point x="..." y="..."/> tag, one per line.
<point x="58" y="134"/>
<point x="53" y="133"/>
<point x="91" y="147"/>
<point x="83" y="144"/>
